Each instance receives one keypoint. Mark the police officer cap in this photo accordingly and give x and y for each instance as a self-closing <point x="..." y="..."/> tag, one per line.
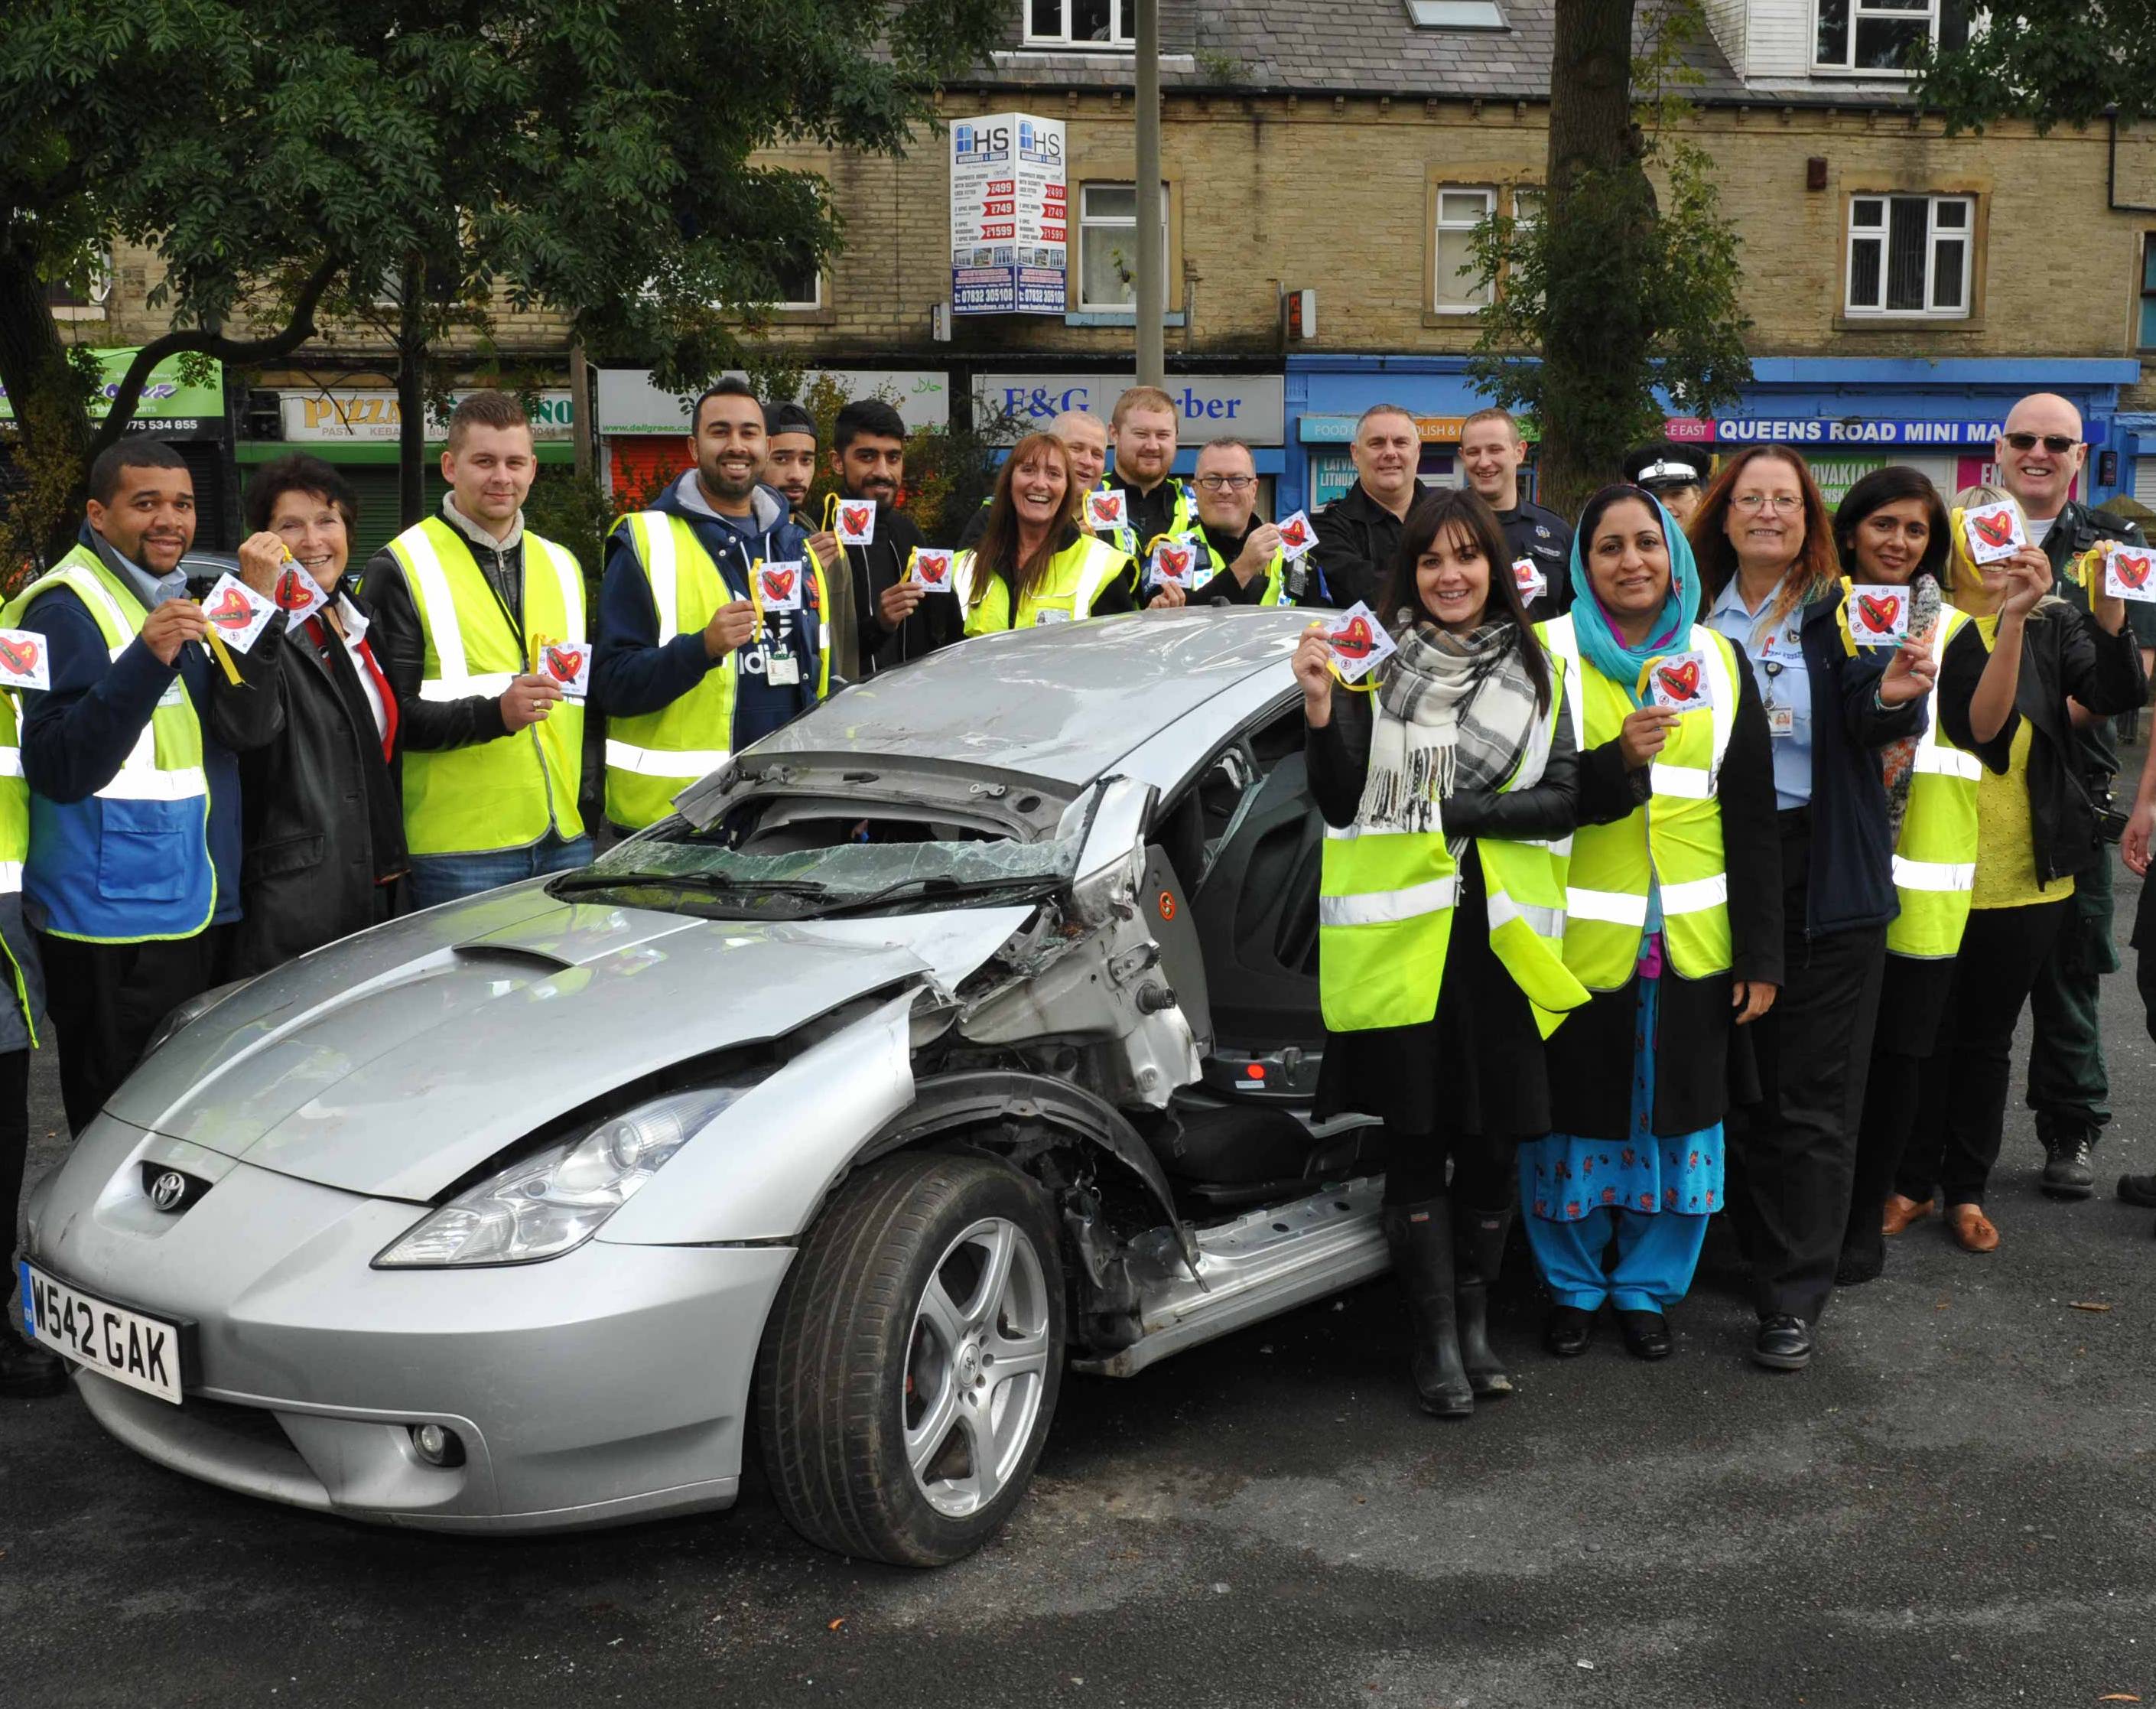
<point x="1666" y="467"/>
<point x="787" y="418"/>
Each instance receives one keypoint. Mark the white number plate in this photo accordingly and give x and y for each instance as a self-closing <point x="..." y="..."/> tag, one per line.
<point x="143" y="1352"/>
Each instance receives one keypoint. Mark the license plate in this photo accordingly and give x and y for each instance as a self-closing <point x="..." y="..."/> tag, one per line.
<point x="141" y="1351"/>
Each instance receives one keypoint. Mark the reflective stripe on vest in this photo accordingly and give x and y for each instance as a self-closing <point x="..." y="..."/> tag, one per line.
<point x="652" y="757"/>
<point x="132" y="863"/>
<point x="1076" y="578"/>
<point x="510" y="792"/>
<point x="1674" y="840"/>
<point x="1935" y="854"/>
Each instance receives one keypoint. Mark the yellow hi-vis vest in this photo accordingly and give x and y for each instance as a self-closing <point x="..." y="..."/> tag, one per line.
<point x="1211" y="564"/>
<point x="510" y="792"/>
<point x="1385" y="920"/>
<point x="1674" y="840"/>
<point x="131" y="864"/>
<point x="1076" y="575"/>
<point x="652" y="757"/>
<point x="1935" y="855"/>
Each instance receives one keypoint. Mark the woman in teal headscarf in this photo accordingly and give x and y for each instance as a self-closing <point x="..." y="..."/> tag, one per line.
<point x="1677" y="933"/>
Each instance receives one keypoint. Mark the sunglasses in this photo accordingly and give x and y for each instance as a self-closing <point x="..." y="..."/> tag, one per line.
<point x="2057" y="444"/>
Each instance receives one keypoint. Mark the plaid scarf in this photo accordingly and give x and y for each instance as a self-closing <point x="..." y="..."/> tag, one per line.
<point x="1454" y="713"/>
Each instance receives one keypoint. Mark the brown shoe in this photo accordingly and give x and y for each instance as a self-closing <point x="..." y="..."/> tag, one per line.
<point x="1901" y="1212"/>
<point x="1972" y="1230"/>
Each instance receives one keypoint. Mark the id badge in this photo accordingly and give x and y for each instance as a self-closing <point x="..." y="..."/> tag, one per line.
<point x="175" y="694"/>
<point x="781" y="669"/>
<point x="1781" y="721"/>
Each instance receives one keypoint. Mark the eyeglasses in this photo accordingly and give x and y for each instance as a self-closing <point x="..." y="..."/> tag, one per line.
<point x="1752" y="503"/>
<point x="2057" y="444"/>
<point x="1233" y="483"/>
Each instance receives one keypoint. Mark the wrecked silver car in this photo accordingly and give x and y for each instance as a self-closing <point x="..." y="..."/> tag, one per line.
<point x="960" y="1034"/>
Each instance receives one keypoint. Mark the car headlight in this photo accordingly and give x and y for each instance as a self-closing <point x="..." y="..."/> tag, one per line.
<point x="544" y="1205"/>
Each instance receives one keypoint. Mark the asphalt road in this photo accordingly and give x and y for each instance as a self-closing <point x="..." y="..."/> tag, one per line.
<point x="1953" y="1507"/>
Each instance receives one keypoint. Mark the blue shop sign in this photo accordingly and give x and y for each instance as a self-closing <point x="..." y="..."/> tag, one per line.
<point x="1815" y="430"/>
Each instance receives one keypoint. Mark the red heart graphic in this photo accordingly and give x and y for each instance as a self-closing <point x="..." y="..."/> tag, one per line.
<point x="1174" y="562"/>
<point x="1525" y="574"/>
<point x="1294" y="535"/>
<point x="1878" y="611"/>
<point x="933" y="570"/>
<point x="232" y="610"/>
<point x="1357" y="641"/>
<point x="2131" y="568"/>
<point x="856" y="517"/>
<point x="20" y="657"/>
<point x="1681" y="681"/>
<point x="564" y="662"/>
<point x="778" y="583"/>
<point x="294" y="592"/>
<point x="1108" y="506"/>
<point x="1994" y="530"/>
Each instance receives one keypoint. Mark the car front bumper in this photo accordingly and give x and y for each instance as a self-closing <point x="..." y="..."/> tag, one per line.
<point x="607" y="1385"/>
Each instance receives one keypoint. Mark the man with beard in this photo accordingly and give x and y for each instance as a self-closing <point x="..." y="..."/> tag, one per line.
<point x="713" y="628"/>
<point x="1239" y="561"/>
<point x="132" y="864"/>
<point x="1359" y="533"/>
<point x="1143" y="426"/>
<point x="2040" y="452"/>
<point x="898" y="620"/>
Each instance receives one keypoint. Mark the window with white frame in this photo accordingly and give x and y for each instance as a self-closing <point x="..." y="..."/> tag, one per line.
<point x="1911" y="255"/>
<point x="1108" y="245"/>
<point x="1081" y="24"/>
<point x="800" y="285"/>
<point x="82" y="296"/>
<point x="1456" y="287"/>
<point x="1871" y="35"/>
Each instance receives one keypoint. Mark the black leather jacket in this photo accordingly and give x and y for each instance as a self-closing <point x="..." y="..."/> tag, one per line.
<point x="321" y="827"/>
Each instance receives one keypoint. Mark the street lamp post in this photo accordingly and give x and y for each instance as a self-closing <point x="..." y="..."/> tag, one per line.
<point x="1151" y="305"/>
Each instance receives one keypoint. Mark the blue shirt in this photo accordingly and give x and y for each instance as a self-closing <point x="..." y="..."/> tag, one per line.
<point x="1778" y="662"/>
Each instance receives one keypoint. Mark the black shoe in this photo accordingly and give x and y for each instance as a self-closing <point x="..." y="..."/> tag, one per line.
<point x="1568" y="1332"/>
<point x="1857" y="1267"/>
<point x="29" y="1372"/>
<point x="1479" y="1248"/>
<point x="2138" y="1189"/>
<point x="2066" y="1171"/>
<point x="1646" y="1334"/>
<point x="1784" y="1343"/>
<point x="1421" y="1236"/>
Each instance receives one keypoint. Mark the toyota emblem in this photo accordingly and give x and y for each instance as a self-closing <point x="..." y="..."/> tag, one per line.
<point x="169" y="1188"/>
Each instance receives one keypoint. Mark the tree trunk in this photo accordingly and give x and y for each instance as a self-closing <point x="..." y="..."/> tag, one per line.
<point x="51" y="422"/>
<point x="1601" y="210"/>
<point x="411" y="418"/>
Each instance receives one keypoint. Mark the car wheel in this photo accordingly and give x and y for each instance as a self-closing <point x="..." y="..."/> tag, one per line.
<point x="910" y="1369"/>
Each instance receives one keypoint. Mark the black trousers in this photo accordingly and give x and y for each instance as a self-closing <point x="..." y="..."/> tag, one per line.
<point x="1963" y="1111"/>
<point x="1484" y="1177"/>
<point x="1793" y="1155"/>
<point x="106" y="1000"/>
<point x="1912" y="1000"/>
<point x="14" y="1151"/>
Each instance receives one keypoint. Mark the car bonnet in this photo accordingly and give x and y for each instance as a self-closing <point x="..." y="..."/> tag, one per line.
<point x="395" y="1062"/>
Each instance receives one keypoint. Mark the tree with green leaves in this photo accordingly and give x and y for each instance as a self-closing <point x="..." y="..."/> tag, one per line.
<point x="1610" y="291"/>
<point x="412" y="166"/>
<point x="2054" y="62"/>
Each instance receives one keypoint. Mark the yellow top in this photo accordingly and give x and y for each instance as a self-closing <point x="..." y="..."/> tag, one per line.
<point x="2006" y="839"/>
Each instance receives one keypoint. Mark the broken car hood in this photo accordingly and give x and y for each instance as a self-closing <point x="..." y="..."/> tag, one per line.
<point x="393" y="1062"/>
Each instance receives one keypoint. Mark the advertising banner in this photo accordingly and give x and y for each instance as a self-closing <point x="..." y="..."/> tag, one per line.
<point x="1010" y="216"/>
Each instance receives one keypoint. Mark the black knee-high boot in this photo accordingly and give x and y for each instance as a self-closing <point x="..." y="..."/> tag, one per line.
<point x="1421" y="1236"/>
<point x="1479" y="1239"/>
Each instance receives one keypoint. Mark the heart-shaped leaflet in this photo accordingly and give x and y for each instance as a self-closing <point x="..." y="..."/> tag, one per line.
<point x="1293" y="533"/>
<point x="2131" y="568"/>
<point x="935" y="567"/>
<point x="564" y="662"/>
<point x="777" y="585"/>
<point x="1878" y="612"/>
<point x="294" y="591"/>
<point x="1355" y="640"/>
<point x="1994" y="530"/>
<point x="232" y="610"/>
<point x="19" y="658"/>
<point x="855" y="516"/>
<point x="1681" y="681"/>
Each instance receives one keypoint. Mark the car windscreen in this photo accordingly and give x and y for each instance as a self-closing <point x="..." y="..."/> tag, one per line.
<point x="678" y="868"/>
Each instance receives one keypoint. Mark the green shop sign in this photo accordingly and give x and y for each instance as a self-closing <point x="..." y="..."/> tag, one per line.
<point x="167" y="397"/>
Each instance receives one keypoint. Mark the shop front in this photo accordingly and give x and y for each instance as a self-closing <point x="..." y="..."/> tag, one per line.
<point x="356" y="428"/>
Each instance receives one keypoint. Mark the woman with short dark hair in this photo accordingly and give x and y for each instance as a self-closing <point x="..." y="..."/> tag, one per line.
<point x="316" y="729"/>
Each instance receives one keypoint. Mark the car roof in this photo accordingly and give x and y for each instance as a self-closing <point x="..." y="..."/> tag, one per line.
<point x="1063" y="702"/>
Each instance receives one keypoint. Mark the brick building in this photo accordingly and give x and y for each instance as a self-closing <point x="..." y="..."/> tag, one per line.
<point x="1904" y="286"/>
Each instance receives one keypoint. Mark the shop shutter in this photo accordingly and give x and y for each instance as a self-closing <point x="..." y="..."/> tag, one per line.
<point x="2144" y="480"/>
<point x="640" y="468"/>
<point x="216" y="529"/>
<point x="376" y="486"/>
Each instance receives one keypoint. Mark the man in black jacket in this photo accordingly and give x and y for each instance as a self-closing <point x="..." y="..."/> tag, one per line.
<point x="2040" y="453"/>
<point x="896" y="619"/>
<point x="1491" y="449"/>
<point x="1359" y="533"/>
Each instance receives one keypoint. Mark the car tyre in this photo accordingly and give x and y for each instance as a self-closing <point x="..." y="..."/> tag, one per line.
<point x="910" y="1370"/>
